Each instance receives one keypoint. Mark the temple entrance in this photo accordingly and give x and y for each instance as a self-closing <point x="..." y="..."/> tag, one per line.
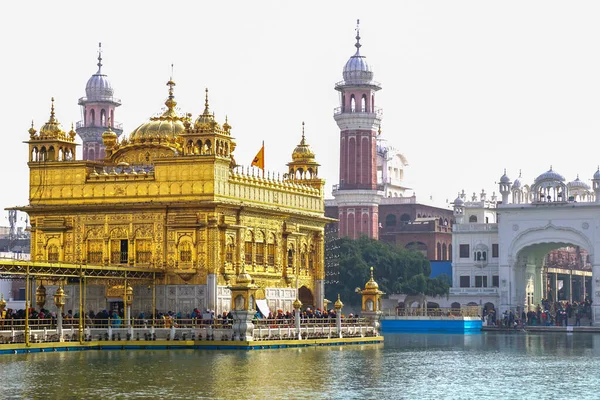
<point x="306" y="297"/>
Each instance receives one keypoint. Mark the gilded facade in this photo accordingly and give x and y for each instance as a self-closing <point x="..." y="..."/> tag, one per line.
<point x="170" y="195"/>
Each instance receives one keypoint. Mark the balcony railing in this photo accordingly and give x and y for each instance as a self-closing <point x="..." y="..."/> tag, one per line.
<point x="347" y="110"/>
<point x="474" y="291"/>
<point x="476" y="227"/>
<point x="114" y="125"/>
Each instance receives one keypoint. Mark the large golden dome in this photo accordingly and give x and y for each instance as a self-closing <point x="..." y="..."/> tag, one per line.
<point x="164" y="128"/>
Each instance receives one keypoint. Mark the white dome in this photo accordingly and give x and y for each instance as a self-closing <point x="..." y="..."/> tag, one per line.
<point x="517" y="184"/>
<point x="504" y="178"/>
<point x="98" y="87"/>
<point x="578" y="184"/>
<point x="458" y="201"/>
<point x="550" y="175"/>
<point x="357" y="70"/>
<point x="597" y="174"/>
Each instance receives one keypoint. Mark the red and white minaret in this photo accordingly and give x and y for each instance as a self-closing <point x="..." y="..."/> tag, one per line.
<point x="357" y="195"/>
<point x="98" y="111"/>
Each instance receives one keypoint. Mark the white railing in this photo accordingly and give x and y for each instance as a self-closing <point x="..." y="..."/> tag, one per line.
<point x="475" y="227"/>
<point x="469" y="291"/>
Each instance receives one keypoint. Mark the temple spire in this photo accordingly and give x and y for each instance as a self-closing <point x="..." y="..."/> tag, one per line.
<point x="99" y="58"/>
<point x="357" y="45"/>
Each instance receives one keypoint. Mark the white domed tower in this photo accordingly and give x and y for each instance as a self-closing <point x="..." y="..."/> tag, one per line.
<point x="504" y="187"/>
<point x="596" y="185"/>
<point x="357" y="195"/>
<point x="98" y="111"/>
<point x="459" y="209"/>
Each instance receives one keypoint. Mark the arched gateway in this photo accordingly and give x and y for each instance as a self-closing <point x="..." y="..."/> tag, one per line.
<point x="507" y="262"/>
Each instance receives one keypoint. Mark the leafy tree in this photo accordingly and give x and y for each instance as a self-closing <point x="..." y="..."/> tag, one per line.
<point x="396" y="270"/>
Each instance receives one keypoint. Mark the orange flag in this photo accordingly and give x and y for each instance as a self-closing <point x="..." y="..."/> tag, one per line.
<point x="259" y="159"/>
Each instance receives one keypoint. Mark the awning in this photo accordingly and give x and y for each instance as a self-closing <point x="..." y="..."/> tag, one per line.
<point x="263" y="307"/>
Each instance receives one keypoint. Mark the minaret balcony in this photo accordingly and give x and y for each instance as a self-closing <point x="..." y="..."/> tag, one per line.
<point x="347" y="110"/>
<point x="115" y="125"/>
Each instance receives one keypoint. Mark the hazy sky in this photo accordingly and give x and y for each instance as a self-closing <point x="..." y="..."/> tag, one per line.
<point x="469" y="87"/>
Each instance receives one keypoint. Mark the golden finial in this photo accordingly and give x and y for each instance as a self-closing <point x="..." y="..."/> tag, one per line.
<point x="338" y="304"/>
<point x="379" y="130"/>
<point x="303" y="131"/>
<point x="371" y="273"/>
<point x="32" y="130"/>
<point x="206" y="111"/>
<point x="170" y="102"/>
<point x="226" y="126"/>
<point x="52" y="119"/>
<point x="72" y="132"/>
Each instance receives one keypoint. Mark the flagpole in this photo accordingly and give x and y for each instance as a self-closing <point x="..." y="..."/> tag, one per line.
<point x="263" y="170"/>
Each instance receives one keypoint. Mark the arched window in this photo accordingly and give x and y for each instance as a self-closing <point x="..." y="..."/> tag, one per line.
<point x="185" y="251"/>
<point x="271" y="250"/>
<point x="248" y="256"/>
<point x="390" y="220"/>
<point x="473" y="218"/>
<point x="405" y="218"/>
<point x="53" y="253"/>
<point x="439" y="251"/>
<point x="291" y="253"/>
<point x="303" y="258"/>
<point x="450" y="252"/>
<point x="92" y="117"/>
<point x="229" y="250"/>
<point x="91" y="154"/>
<point x="103" y="117"/>
<point x="444" y="252"/>
<point x="363" y="103"/>
<point x="352" y="104"/>
<point x="260" y="249"/>
<point x="51" y="154"/>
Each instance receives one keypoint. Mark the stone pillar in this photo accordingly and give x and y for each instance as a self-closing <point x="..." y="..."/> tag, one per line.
<point x="243" y="328"/>
<point x="338" y="316"/>
<point x="570" y="298"/>
<point x="504" y="272"/>
<point x="297" y="314"/>
<point x="595" y="295"/>
<point x="211" y="291"/>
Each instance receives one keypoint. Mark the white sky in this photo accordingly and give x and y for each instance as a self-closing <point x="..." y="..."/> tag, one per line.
<point x="469" y="87"/>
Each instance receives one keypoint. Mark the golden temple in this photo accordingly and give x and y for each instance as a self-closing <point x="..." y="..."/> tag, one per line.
<point x="170" y="197"/>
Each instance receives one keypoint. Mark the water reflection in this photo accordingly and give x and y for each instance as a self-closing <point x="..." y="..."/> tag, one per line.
<point x="406" y="366"/>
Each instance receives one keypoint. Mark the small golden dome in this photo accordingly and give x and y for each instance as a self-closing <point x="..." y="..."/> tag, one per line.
<point x="297" y="304"/>
<point x="338" y="304"/>
<point x="371" y="284"/>
<point x="72" y="132"/>
<point x="303" y="151"/>
<point x="206" y="120"/>
<point x="164" y="128"/>
<point x="244" y="278"/>
<point x="32" y="130"/>
<point x="52" y="128"/>
<point x="109" y="138"/>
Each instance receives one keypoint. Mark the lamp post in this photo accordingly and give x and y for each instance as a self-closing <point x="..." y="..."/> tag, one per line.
<point x="128" y="301"/>
<point x="338" y="315"/>
<point x="40" y="296"/>
<point x="59" y="301"/>
<point x="297" y="307"/>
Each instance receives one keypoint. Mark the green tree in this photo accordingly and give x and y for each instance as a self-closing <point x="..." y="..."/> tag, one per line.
<point x="396" y="270"/>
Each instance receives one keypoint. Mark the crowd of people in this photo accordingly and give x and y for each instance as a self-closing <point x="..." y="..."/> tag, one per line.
<point x="547" y="313"/>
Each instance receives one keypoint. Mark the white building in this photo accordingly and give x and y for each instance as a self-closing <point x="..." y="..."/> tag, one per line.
<point x="499" y="247"/>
